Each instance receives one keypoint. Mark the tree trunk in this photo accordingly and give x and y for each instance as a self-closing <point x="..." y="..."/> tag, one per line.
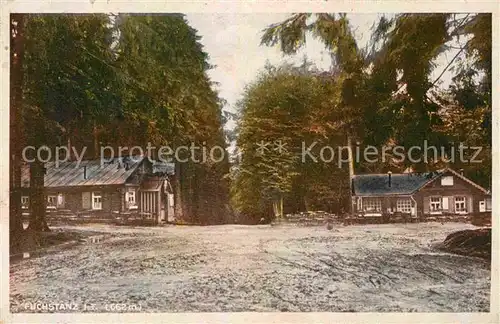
<point x="178" y="212"/>
<point x="37" y="198"/>
<point x="278" y="207"/>
<point x="281" y="207"/>
<point x="189" y="203"/>
<point x="351" y="173"/>
<point x="307" y="205"/>
<point x="185" y="184"/>
<point x="275" y="209"/>
<point x="70" y="150"/>
<point x="95" y="135"/>
<point x="16" y="129"/>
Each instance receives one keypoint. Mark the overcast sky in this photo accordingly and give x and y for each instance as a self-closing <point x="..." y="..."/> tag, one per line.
<point x="233" y="43"/>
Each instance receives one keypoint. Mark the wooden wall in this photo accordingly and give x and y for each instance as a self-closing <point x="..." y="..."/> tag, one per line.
<point x="459" y="188"/>
<point x="80" y="199"/>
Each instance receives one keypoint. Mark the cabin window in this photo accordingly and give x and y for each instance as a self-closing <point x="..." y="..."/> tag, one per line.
<point x="372" y="204"/>
<point x="96" y="200"/>
<point x="51" y="201"/>
<point x="460" y="206"/>
<point x="25" y="200"/>
<point x="436" y="204"/>
<point x="60" y="199"/>
<point x="130" y="198"/>
<point x="488" y="204"/>
<point x="403" y="205"/>
<point x="447" y="181"/>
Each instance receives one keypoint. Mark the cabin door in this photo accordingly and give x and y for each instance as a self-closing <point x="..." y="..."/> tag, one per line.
<point x="150" y="204"/>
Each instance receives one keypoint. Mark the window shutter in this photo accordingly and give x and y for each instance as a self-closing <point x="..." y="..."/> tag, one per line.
<point x="482" y="206"/>
<point x="488" y="204"/>
<point x="426" y="205"/>
<point x="445" y="203"/>
<point x="60" y="200"/>
<point x="86" y="200"/>
<point x="469" y="204"/>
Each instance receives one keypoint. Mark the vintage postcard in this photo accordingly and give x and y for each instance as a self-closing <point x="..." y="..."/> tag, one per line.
<point x="249" y="162"/>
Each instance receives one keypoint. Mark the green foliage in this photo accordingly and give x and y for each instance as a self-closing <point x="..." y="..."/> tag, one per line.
<point x="412" y="44"/>
<point x="126" y="80"/>
<point x="68" y="77"/>
<point x="388" y="96"/>
<point x="479" y="49"/>
<point x="408" y="45"/>
<point x="292" y="106"/>
<point x="166" y="86"/>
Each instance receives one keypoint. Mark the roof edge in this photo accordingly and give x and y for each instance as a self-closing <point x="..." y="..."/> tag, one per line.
<point x="456" y="174"/>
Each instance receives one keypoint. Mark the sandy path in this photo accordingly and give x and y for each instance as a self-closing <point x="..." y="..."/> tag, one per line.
<point x="258" y="268"/>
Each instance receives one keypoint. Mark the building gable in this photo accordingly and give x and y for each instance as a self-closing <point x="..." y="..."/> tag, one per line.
<point x="452" y="180"/>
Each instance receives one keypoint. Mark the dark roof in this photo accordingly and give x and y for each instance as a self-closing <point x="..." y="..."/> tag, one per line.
<point x="70" y="174"/>
<point x="401" y="184"/>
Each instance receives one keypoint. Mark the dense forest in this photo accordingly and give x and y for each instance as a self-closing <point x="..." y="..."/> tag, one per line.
<point x="131" y="79"/>
<point x="382" y="95"/>
<point x="114" y="80"/>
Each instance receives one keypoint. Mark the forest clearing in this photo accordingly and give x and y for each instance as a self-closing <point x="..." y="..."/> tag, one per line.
<point x="376" y="268"/>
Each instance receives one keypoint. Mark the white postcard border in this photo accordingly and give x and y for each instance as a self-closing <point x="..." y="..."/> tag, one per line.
<point x="245" y="6"/>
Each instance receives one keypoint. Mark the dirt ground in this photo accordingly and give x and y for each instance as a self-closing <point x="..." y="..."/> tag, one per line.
<point x="231" y="268"/>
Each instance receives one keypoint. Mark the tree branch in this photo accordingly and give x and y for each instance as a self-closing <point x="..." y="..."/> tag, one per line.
<point x="449" y="64"/>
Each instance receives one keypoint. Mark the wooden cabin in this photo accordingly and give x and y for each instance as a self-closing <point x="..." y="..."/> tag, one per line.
<point x="121" y="186"/>
<point x="418" y="195"/>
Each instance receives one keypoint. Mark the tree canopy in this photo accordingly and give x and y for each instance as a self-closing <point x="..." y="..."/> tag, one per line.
<point x="119" y="80"/>
<point x="382" y="95"/>
<point x="286" y="108"/>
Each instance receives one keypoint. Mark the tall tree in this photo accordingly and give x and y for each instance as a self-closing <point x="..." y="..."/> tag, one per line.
<point x="336" y="34"/>
<point x="387" y="95"/>
<point x="285" y="109"/>
<point x="396" y="73"/>
<point x="409" y="45"/>
<point x="67" y="88"/>
<point x="122" y="80"/>
<point x="169" y="93"/>
<point x="17" y="22"/>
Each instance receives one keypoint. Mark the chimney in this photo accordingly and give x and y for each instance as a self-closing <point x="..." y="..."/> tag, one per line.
<point x="461" y="172"/>
<point x="84" y="172"/>
<point x="389" y="174"/>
